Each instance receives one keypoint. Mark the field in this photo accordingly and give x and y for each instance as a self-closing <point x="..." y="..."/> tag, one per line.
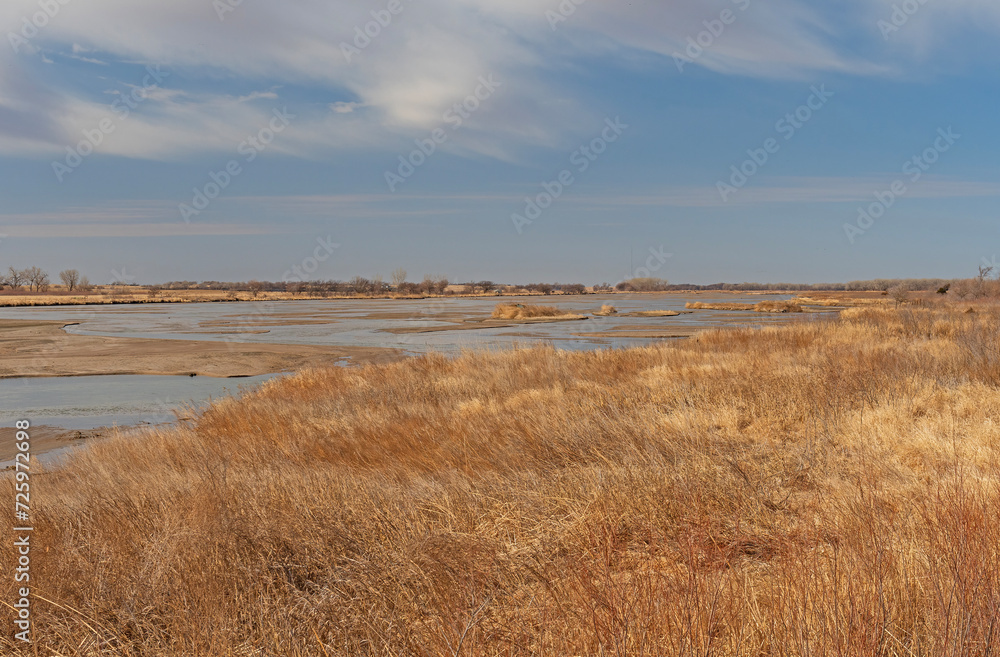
<point x="818" y="488"/>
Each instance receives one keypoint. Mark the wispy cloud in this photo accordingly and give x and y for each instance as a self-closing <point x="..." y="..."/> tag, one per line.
<point x="800" y="190"/>
<point x="416" y="67"/>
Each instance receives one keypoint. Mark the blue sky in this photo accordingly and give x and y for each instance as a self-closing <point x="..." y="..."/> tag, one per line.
<point x="116" y="116"/>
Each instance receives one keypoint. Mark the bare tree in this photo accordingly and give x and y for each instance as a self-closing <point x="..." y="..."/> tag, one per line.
<point x="980" y="285"/>
<point x="255" y="288"/>
<point x="900" y="294"/>
<point x="398" y="277"/>
<point x="360" y="285"/>
<point x="486" y="286"/>
<point x="37" y="278"/>
<point x="16" y="277"/>
<point x="70" y="278"/>
<point x="84" y="284"/>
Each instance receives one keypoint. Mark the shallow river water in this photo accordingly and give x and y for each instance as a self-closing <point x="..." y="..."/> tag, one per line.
<point x="86" y="402"/>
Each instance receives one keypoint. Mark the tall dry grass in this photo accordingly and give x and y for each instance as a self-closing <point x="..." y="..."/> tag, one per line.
<point x="525" y="311"/>
<point x="760" y="307"/>
<point x="821" y="488"/>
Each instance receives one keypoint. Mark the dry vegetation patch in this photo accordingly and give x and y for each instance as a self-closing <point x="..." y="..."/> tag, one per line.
<point x="761" y="307"/>
<point x="821" y="488"/>
<point x="606" y="311"/>
<point x="526" y="311"/>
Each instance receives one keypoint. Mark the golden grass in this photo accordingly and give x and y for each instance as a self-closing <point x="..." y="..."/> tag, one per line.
<point x="819" y="488"/>
<point x="606" y="311"/>
<point x="523" y="311"/>
<point x="761" y="307"/>
<point x="652" y="313"/>
<point x="854" y="300"/>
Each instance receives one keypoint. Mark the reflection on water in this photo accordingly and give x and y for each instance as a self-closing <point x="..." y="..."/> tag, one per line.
<point x="88" y="402"/>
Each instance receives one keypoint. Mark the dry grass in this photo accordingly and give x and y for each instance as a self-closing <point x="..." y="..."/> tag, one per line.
<point x="523" y="311"/>
<point x="855" y="299"/>
<point x="821" y="488"/>
<point x="606" y="311"/>
<point x="761" y="307"/>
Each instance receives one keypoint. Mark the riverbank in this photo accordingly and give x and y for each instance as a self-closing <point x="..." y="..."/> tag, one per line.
<point x="46" y="439"/>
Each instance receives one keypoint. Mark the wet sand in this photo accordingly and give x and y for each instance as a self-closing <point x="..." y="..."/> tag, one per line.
<point x="42" y="348"/>
<point x="45" y="439"/>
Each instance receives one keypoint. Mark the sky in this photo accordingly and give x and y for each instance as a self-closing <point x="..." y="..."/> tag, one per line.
<point x="512" y="140"/>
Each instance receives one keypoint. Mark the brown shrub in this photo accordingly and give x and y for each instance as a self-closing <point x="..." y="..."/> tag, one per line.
<point x="523" y="311"/>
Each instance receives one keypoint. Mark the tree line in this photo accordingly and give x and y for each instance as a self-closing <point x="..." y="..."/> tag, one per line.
<point x="985" y="284"/>
<point x="37" y="279"/>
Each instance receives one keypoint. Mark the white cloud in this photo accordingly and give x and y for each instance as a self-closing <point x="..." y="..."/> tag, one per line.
<point x="427" y="58"/>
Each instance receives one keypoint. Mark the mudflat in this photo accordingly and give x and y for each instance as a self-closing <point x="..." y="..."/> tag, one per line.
<point x="45" y="439"/>
<point x="43" y="348"/>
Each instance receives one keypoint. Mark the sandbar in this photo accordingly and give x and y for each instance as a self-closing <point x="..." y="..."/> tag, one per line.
<point x="31" y="348"/>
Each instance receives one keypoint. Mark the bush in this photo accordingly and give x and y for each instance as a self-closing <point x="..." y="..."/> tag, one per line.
<point x="521" y="311"/>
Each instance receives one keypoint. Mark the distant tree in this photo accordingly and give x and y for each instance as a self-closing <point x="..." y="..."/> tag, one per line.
<point x="899" y="293"/>
<point x="486" y="286"/>
<point x="574" y="288"/>
<point x="255" y="288"/>
<point x="647" y="284"/>
<point x="153" y="291"/>
<point x="84" y="284"/>
<point x="37" y="278"/>
<point x="16" y="277"/>
<point x="398" y="277"/>
<point x="360" y="285"/>
<point x="70" y="278"/>
<point x="979" y="289"/>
